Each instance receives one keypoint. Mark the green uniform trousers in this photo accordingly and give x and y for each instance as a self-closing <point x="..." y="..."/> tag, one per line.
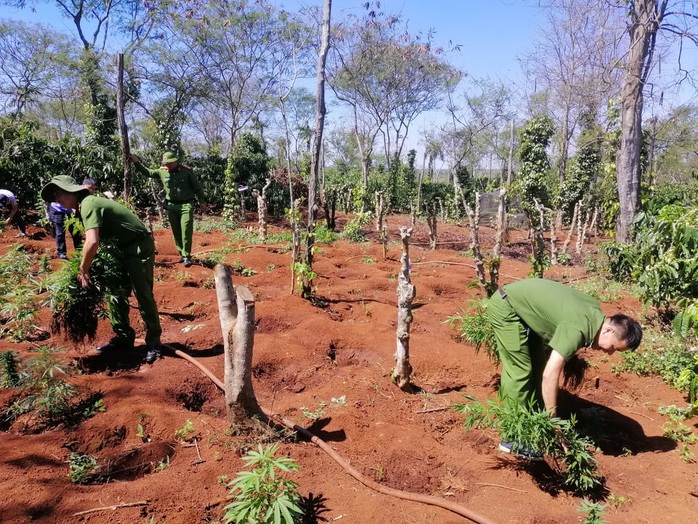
<point x="181" y="217"/>
<point x="138" y="259"/>
<point x="522" y="352"/>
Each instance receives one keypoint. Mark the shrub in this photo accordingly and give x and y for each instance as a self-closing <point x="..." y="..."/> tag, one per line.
<point x="352" y="230"/>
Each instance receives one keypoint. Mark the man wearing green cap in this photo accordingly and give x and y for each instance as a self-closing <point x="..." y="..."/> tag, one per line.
<point x="107" y="221"/>
<point x="181" y="186"/>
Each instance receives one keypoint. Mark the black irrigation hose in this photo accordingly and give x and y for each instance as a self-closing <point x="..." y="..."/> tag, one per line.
<point x="425" y="499"/>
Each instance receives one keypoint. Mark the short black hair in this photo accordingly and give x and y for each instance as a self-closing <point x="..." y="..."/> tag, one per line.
<point x="628" y="328"/>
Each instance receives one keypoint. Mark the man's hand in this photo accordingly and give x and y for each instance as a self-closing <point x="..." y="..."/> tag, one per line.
<point x="84" y="277"/>
<point x="561" y="438"/>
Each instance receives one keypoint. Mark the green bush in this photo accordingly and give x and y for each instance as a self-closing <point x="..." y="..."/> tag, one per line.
<point x="353" y="229"/>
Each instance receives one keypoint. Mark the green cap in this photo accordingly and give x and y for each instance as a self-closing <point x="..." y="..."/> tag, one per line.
<point x="64" y="182"/>
<point x="169" y="157"/>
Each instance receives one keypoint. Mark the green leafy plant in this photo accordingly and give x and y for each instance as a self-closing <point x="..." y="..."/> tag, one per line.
<point x="303" y="274"/>
<point x="668" y="358"/>
<point x="262" y="494"/>
<point x="163" y="464"/>
<point x="9" y="372"/>
<point x="592" y="512"/>
<point x="538" y="265"/>
<point x="76" y="310"/>
<point x="316" y="414"/>
<point x="82" y="468"/>
<point x="240" y="269"/>
<point x="535" y="429"/>
<point x="20" y="285"/>
<point x="324" y="235"/>
<point x="20" y="311"/>
<point x="473" y="327"/>
<point x="185" y="432"/>
<point x="353" y="228"/>
<point x="44" y="391"/>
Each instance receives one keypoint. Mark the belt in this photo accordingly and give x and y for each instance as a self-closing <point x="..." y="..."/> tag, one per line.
<point x="503" y="293"/>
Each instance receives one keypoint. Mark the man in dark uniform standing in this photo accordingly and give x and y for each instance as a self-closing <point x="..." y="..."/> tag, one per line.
<point x="181" y="187"/>
<point x="108" y="221"/>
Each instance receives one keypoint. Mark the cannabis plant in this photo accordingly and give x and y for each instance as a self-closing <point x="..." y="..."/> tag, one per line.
<point x="44" y="392"/>
<point x="76" y="309"/>
<point x="261" y="495"/>
<point x="533" y="428"/>
<point x="473" y="327"/>
<point x="9" y="373"/>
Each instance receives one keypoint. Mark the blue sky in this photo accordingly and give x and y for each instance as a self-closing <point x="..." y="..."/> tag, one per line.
<point x="491" y="33"/>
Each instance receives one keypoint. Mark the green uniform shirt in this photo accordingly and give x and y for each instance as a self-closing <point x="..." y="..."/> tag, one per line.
<point x="181" y="184"/>
<point x="563" y="317"/>
<point x="115" y="222"/>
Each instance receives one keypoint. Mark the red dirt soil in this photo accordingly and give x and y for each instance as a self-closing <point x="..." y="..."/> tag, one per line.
<point x="306" y="355"/>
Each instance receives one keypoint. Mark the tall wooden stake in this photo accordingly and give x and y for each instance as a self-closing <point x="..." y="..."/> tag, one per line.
<point x="405" y="293"/>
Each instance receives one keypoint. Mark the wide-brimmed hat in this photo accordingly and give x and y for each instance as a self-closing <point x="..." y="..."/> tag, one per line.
<point x="64" y="182"/>
<point x="169" y="157"/>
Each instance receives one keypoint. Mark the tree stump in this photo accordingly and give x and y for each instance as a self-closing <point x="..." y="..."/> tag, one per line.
<point x="236" y="312"/>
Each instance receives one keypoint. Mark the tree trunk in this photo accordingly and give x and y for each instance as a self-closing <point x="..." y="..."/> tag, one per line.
<point x="236" y="312"/>
<point x="405" y="293"/>
<point x="432" y="215"/>
<point x="320" y="112"/>
<point x="123" y="130"/>
<point x="380" y="210"/>
<point x="645" y="16"/>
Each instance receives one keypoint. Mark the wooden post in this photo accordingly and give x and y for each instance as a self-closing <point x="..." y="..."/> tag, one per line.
<point x="262" y="210"/>
<point x="236" y="312"/>
<point x="405" y="293"/>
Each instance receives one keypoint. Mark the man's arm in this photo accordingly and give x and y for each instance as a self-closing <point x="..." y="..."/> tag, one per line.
<point x="89" y="251"/>
<point x="13" y="211"/>
<point x="152" y="173"/>
<point x="551" y="381"/>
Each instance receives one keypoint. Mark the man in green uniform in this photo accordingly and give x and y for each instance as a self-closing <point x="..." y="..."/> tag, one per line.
<point x="539" y="325"/>
<point x="181" y="186"/>
<point x="109" y="222"/>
